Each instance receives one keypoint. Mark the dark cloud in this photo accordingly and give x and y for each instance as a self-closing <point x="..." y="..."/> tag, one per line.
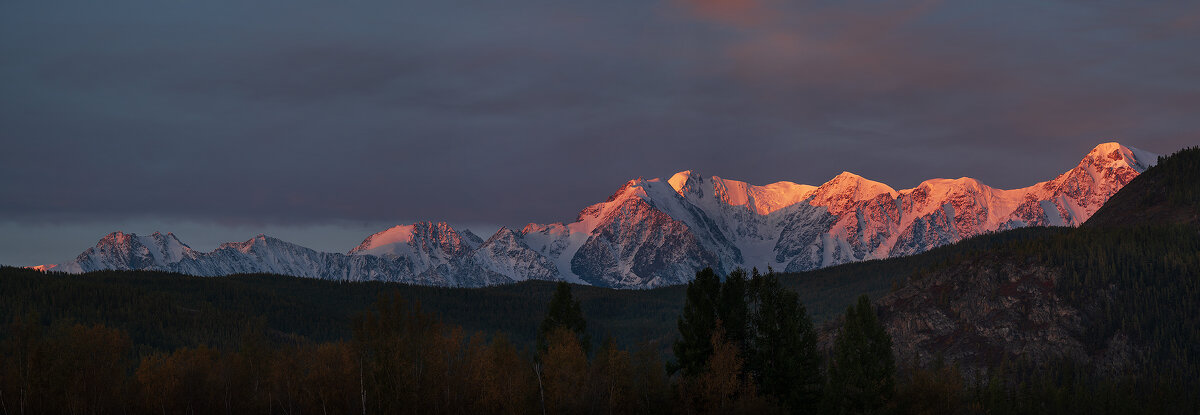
<point x="506" y="113"/>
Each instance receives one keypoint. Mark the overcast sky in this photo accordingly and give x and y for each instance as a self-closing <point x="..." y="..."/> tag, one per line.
<point x="322" y="122"/>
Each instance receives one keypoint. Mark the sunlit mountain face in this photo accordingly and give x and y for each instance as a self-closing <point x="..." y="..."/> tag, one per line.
<point x="654" y="232"/>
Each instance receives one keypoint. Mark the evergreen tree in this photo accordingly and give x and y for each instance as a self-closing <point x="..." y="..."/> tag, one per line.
<point x="733" y="310"/>
<point x="564" y="312"/>
<point x="862" y="377"/>
<point x="784" y="357"/>
<point x="697" y="322"/>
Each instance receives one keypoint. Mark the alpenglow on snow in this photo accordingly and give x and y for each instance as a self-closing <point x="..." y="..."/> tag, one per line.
<point x="653" y="233"/>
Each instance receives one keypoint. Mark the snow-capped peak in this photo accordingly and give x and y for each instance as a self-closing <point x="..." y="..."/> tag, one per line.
<point x="432" y="238"/>
<point x="687" y="183"/>
<point x="399" y="234"/>
<point x="249" y="244"/>
<point x="1115" y="155"/>
<point x="942" y="186"/>
<point x="845" y="190"/>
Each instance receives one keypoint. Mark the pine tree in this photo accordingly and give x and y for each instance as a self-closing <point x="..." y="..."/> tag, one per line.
<point x="862" y="377"/>
<point x="698" y="321"/>
<point x="564" y="312"/>
<point x="784" y="357"/>
<point x="733" y="310"/>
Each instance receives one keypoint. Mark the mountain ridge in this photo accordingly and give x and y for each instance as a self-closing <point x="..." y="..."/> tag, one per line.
<point x="654" y="232"/>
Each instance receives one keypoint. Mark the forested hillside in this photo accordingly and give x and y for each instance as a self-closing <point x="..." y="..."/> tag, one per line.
<point x="1077" y="312"/>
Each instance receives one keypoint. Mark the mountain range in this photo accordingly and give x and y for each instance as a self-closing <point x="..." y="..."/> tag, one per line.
<point x="655" y="232"/>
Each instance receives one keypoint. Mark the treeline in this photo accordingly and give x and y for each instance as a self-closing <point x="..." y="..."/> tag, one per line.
<point x="402" y="359"/>
<point x="745" y="345"/>
<point x="164" y="311"/>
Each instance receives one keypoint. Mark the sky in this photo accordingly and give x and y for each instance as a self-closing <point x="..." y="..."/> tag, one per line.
<point x="321" y="122"/>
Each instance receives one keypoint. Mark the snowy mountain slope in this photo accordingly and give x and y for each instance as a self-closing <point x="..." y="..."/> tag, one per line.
<point x="796" y="227"/>
<point x="653" y="232"/>
<point x="119" y="250"/>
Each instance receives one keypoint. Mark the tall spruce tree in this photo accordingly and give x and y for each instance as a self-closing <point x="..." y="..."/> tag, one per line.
<point x="767" y="325"/>
<point x="698" y="321"/>
<point x="734" y="312"/>
<point x="784" y="357"/>
<point x="862" y="376"/>
<point x="564" y="312"/>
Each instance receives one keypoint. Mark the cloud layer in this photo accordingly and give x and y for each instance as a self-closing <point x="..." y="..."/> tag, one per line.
<point x="510" y="112"/>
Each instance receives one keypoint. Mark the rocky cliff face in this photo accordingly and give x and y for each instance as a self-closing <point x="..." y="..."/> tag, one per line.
<point x="652" y="232"/>
<point x="982" y="313"/>
<point x="984" y="310"/>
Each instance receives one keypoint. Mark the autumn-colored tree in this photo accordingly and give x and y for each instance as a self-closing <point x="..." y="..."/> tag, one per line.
<point x="612" y="380"/>
<point x="442" y="368"/>
<point x="25" y="355"/>
<point x="721" y="387"/>
<point x="179" y="382"/>
<point x="651" y="387"/>
<point x="286" y="375"/>
<point x="564" y="373"/>
<point x="391" y="342"/>
<point x="70" y="369"/>
<point x="94" y="361"/>
<point x="504" y="382"/>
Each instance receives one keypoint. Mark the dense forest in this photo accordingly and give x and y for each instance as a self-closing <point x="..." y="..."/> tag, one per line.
<point x="743" y="345"/>
<point x="147" y="342"/>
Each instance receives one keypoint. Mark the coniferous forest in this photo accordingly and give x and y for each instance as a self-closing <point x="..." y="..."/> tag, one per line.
<point x="747" y="342"/>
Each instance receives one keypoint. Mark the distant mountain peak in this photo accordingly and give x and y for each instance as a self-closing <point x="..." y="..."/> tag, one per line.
<point x="394" y="235"/>
<point x="1115" y="155"/>
<point x="846" y="190"/>
<point x="419" y="236"/>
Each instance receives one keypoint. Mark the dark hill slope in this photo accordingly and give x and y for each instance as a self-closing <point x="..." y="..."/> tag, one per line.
<point x="1121" y="294"/>
<point x="1166" y="193"/>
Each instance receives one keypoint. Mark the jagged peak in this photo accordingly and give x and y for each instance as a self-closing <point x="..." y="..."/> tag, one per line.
<point x="632" y="185"/>
<point x="262" y="237"/>
<point x="504" y="233"/>
<point x="470" y="238"/>
<point x="686" y="182"/>
<point x="384" y="242"/>
<point x="556" y="227"/>
<point x="268" y="239"/>
<point x="117" y="236"/>
<point x="125" y="237"/>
